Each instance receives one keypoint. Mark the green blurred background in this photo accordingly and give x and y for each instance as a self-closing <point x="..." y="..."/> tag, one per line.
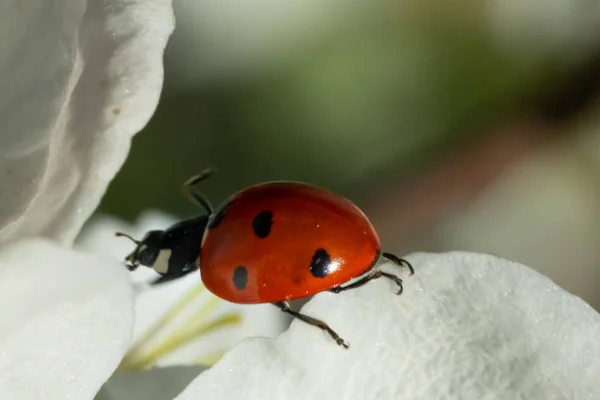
<point x="455" y="125"/>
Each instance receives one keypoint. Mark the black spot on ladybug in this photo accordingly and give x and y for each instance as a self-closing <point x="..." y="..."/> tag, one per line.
<point x="240" y="277"/>
<point x="261" y="226"/>
<point x="320" y="264"/>
<point x="216" y="217"/>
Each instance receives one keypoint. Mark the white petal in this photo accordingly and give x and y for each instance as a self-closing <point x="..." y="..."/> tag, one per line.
<point x="66" y="321"/>
<point x="79" y="79"/>
<point x="467" y="326"/>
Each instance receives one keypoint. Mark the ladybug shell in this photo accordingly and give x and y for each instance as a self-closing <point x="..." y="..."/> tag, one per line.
<point x="285" y="240"/>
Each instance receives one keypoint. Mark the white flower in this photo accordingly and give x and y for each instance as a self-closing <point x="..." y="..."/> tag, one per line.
<point x="180" y="322"/>
<point x="467" y="327"/>
<point x="79" y="78"/>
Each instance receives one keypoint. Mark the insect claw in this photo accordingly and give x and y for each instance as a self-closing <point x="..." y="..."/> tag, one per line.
<point x="408" y="265"/>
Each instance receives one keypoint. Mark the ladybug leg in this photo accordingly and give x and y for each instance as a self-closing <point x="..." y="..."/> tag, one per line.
<point x="193" y="195"/>
<point x="374" y="274"/>
<point x="398" y="261"/>
<point x="285" y="307"/>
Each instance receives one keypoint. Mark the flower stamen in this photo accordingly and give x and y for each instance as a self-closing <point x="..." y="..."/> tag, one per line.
<point x="193" y="328"/>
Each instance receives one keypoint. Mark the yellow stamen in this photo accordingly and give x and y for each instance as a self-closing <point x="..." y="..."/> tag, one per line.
<point x="183" y="337"/>
<point x="199" y="316"/>
<point x="159" y="325"/>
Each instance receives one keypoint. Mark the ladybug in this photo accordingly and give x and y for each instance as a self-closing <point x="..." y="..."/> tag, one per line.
<point x="269" y="243"/>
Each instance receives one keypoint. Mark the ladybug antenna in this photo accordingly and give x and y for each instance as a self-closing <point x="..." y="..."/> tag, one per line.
<point x="119" y="234"/>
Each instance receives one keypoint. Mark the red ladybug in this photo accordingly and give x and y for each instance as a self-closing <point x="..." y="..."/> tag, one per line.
<point x="269" y="243"/>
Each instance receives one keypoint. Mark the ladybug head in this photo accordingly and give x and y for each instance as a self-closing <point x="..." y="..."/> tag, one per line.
<point x="172" y="253"/>
<point x="148" y="252"/>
